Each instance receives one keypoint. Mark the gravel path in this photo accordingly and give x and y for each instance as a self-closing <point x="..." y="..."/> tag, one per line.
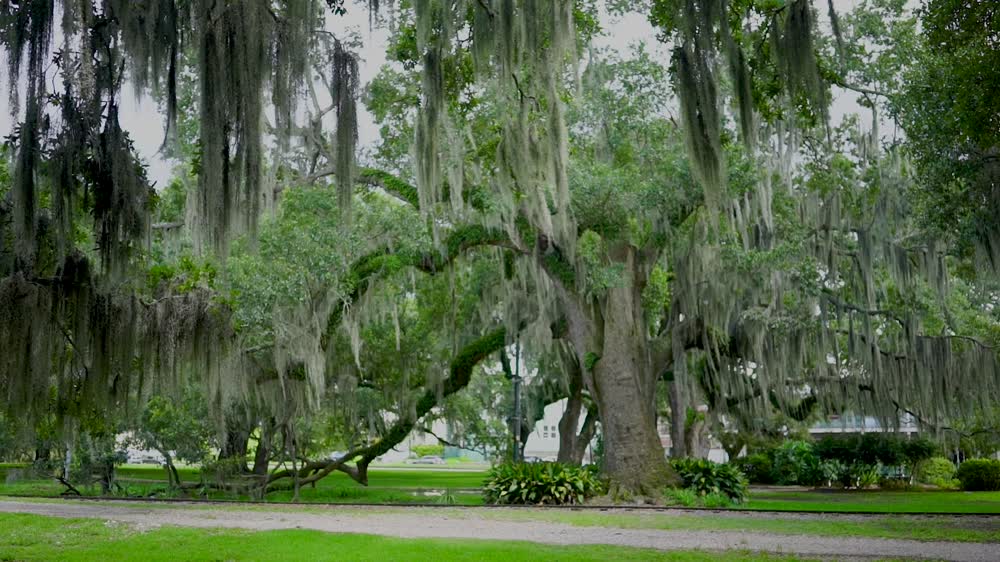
<point x="469" y="525"/>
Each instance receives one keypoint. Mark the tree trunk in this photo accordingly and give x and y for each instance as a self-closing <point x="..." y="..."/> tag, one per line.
<point x="625" y="391"/>
<point x="678" y="420"/>
<point x="236" y="446"/>
<point x="573" y="448"/>
<point x="173" y="478"/>
<point x="694" y="438"/>
<point x="568" y="423"/>
<point x="263" y="454"/>
<point x="573" y="445"/>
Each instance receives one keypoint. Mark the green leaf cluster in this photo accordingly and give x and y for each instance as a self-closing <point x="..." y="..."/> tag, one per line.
<point x="541" y="484"/>
<point x="706" y="477"/>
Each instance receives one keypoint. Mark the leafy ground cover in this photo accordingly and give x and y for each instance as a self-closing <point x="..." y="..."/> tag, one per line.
<point x="32" y="537"/>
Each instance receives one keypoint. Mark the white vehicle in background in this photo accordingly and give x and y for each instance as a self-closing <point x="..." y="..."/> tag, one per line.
<point x="136" y="456"/>
<point x="429" y="459"/>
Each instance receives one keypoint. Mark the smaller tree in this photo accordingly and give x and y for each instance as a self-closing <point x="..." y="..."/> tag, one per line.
<point x="177" y="429"/>
<point x="476" y="417"/>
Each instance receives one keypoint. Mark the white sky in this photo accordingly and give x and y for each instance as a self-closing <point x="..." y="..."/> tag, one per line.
<point x="144" y="122"/>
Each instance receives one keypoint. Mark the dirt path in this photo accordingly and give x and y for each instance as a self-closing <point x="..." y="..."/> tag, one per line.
<point x="423" y="523"/>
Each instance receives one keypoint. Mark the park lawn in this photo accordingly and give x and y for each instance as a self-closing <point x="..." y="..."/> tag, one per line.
<point x="33" y="537"/>
<point x="386" y="486"/>
<point x="896" y="527"/>
<point x="929" y="501"/>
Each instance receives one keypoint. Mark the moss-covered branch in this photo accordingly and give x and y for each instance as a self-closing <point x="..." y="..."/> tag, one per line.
<point x="460" y="373"/>
<point x="390" y="184"/>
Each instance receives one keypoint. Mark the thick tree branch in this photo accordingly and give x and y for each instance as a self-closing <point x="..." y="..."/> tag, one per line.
<point x="460" y="373"/>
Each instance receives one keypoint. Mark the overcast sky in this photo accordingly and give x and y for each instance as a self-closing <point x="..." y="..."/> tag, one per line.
<point x="144" y="122"/>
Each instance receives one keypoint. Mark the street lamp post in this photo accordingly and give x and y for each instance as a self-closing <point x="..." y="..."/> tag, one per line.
<point x="516" y="418"/>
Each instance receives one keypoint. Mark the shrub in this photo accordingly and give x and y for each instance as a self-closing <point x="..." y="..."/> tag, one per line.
<point x="541" y="483"/>
<point x="864" y="475"/>
<point x="894" y="484"/>
<point x="681" y="496"/>
<point x="795" y="462"/>
<point x="979" y="475"/>
<point x="428" y="450"/>
<point x="937" y="471"/>
<point x="835" y="470"/>
<point x="875" y="448"/>
<point x="706" y="477"/>
<point x="716" y="500"/>
<point x="841" y="450"/>
<point x="758" y="468"/>
<point x="915" y="451"/>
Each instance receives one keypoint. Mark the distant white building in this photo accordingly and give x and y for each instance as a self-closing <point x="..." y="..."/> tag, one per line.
<point x="852" y="423"/>
<point x="543" y="441"/>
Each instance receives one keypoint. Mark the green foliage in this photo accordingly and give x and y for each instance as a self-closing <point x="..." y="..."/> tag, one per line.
<point x="96" y="459"/>
<point x="979" y="475"/>
<point x="706" y="478"/>
<point x="541" y="483"/>
<point x="178" y="428"/>
<point x="428" y="450"/>
<point x="796" y="462"/>
<point x="936" y="471"/>
<point x="917" y="450"/>
<point x="872" y="449"/>
<point x="186" y="275"/>
<point x="716" y="500"/>
<point x="686" y="497"/>
<point x="865" y="476"/>
<point x="758" y="468"/>
<point x="894" y="484"/>
<point x="471" y="417"/>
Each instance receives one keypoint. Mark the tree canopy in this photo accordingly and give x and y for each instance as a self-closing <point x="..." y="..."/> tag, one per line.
<point x="701" y="223"/>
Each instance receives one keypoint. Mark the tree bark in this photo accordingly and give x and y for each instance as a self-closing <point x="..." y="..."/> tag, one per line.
<point x="173" y="478"/>
<point x="236" y="445"/>
<point x="263" y="453"/>
<point x="694" y="438"/>
<point x="625" y="387"/>
<point x="570" y="420"/>
<point x="678" y="420"/>
<point x="573" y="445"/>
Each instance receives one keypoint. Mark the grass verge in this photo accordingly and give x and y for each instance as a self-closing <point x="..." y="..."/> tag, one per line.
<point x="900" y="527"/>
<point x="32" y="537"/>
<point x="386" y="486"/>
<point x="877" y="501"/>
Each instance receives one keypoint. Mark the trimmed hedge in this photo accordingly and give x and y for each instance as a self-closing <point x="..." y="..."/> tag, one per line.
<point x="875" y="448"/>
<point x="706" y="478"/>
<point x="547" y="483"/>
<point x="979" y="475"/>
<point x="758" y="468"/>
<point x="937" y="471"/>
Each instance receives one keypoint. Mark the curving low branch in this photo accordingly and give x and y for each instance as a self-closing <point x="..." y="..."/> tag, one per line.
<point x="460" y="373"/>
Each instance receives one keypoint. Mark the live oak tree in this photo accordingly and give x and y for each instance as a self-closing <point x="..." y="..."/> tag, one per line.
<point x="780" y="251"/>
<point x="790" y="283"/>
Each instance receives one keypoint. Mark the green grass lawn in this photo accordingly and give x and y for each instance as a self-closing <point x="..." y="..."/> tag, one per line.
<point x="385" y="486"/>
<point x="931" y="501"/>
<point x="411" y="485"/>
<point x="896" y="527"/>
<point x="32" y="537"/>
